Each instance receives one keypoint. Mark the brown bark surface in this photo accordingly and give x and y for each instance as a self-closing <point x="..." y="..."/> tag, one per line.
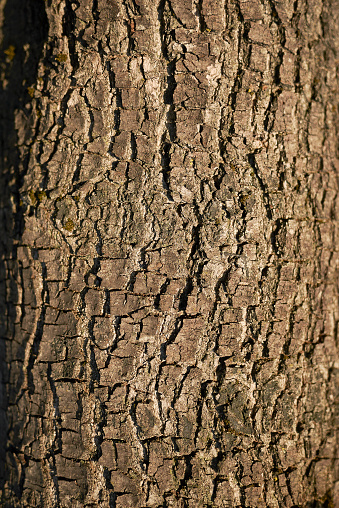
<point x="169" y="253"/>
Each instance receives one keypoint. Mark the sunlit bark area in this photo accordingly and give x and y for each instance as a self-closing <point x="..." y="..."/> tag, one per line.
<point x="169" y="253"/>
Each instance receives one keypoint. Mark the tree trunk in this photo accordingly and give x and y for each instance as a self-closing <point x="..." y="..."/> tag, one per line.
<point x="169" y="266"/>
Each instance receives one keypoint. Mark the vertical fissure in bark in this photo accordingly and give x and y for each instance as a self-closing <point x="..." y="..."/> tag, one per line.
<point x="69" y="20"/>
<point x="200" y="16"/>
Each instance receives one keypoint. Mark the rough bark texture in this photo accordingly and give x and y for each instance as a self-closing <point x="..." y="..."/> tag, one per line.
<point x="169" y="234"/>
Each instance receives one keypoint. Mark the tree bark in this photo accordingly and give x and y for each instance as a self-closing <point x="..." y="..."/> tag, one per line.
<point x="169" y="265"/>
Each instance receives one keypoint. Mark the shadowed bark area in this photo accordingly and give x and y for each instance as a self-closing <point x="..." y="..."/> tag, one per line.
<point x="170" y="259"/>
<point x="24" y="29"/>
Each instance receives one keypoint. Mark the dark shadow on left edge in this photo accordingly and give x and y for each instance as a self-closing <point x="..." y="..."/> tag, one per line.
<point x="23" y="33"/>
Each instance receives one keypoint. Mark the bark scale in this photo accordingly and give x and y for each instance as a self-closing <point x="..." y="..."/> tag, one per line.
<point x="169" y="268"/>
